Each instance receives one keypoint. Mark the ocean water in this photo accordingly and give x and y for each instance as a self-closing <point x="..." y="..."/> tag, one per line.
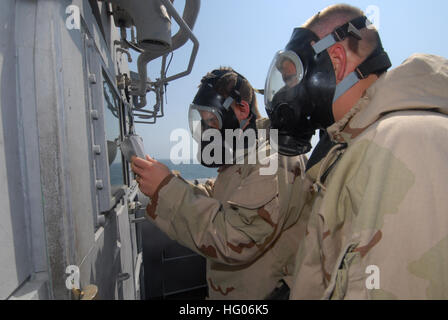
<point x="191" y="171"/>
<point x="187" y="171"/>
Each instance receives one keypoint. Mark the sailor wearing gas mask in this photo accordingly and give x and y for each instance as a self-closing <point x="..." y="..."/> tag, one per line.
<point x="379" y="224"/>
<point x="244" y="222"/>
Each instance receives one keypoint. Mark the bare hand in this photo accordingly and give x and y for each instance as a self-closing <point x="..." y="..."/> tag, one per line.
<point x="150" y="174"/>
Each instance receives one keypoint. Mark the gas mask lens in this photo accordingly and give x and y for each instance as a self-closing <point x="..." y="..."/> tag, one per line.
<point x="201" y="118"/>
<point x="286" y="71"/>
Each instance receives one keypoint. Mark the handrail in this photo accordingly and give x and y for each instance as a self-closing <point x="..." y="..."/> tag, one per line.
<point x="183" y="25"/>
<point x="191" y="11"/>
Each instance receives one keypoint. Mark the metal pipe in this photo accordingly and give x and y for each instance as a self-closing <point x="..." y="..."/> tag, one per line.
<point x="126" y="52"/>
<point x="189" y="16"/>
<point x="142" y="63"/>
<point x="191" y="11"/>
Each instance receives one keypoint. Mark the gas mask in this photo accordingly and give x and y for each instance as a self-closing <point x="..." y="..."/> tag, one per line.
<point x="210" y="115"/>
<point x="301" y="85"/>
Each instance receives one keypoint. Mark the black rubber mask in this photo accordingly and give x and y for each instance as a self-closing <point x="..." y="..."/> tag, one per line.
<point x="210" y="115"/>
<point x="299" y="92"/>
<point x="301" y="85"/>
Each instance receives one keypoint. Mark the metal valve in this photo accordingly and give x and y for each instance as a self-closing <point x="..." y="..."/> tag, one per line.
<point x="90" y="292"/>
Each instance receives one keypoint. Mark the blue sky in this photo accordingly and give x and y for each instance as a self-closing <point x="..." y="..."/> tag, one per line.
<point x="245" y="35"/>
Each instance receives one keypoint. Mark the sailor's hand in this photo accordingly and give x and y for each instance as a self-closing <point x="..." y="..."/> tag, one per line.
<point x="150" y="173"/>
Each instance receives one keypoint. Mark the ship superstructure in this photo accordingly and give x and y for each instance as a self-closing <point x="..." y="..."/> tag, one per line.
<point x="70" y="208"/>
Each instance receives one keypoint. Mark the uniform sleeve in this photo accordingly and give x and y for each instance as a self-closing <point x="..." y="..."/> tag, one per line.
<point x="233" y="232"/>
<point x="397" y="244"/>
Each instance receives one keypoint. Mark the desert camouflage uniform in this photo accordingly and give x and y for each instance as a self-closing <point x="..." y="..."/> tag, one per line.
<point x="379" y="225"/>
<point x="240" y="223"/>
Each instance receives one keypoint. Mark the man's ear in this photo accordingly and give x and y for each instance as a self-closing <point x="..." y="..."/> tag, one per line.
<point x="338" y="56"/>
<point x="242" y="110"/>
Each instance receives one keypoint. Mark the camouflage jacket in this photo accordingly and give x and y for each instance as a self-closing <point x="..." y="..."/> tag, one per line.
<point x="379" y="223"/>
<point x="240" y="223"/>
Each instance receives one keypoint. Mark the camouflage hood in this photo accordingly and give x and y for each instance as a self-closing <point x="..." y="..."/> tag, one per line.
<point x="397" y="90"/>
<point x="379" y="225"/>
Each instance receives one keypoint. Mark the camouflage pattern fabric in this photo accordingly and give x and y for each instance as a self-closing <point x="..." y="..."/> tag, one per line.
<point x="244" y="223"/>
<point x="379" y="222"/>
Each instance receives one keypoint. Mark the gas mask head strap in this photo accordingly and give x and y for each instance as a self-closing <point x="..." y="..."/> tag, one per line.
<point x="235" y="94"/>
<point x="378" y="61"/>
<point x="351" y="28"/>
<point x="212" y="82"/>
